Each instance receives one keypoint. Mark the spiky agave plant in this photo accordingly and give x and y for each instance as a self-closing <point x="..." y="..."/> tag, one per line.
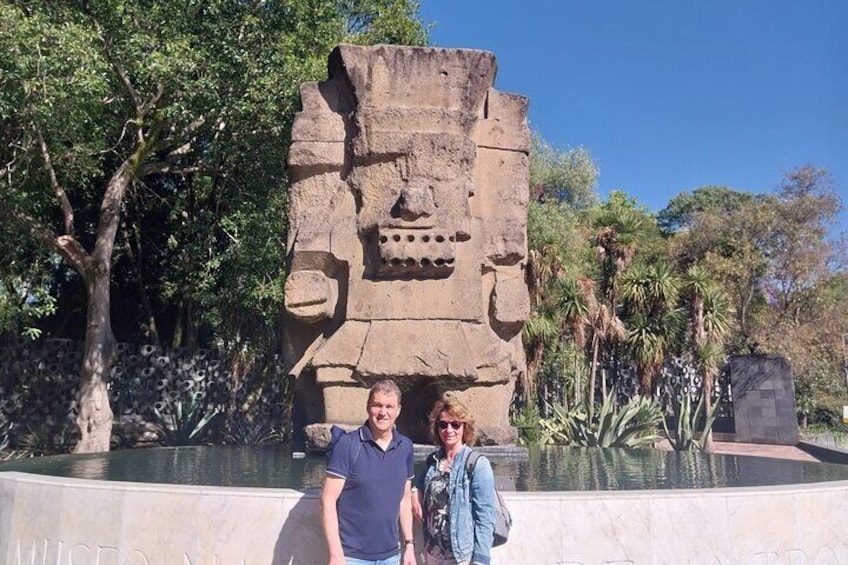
<point x="185" y="421"/>
<point x="631" y="425"/>
<point x="689" y="420"/>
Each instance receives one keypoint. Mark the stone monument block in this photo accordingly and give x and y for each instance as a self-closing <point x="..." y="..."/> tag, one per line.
<point x="763" y="399"/>
<point x="408" y="237"/>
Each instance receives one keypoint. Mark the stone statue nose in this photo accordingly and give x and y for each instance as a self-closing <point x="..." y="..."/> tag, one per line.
<point x="416" y="202"/>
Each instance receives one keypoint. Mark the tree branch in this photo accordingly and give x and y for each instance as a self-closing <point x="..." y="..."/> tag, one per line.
<point x="116" y="66"/>
<point x="66" y="245"/>
<point x="164" y="167"/>
<point x="58" y="191"/>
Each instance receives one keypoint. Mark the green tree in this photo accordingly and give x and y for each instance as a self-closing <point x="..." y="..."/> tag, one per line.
<point x="567" y="176"/>
<point x="774" y="260"/>
<point x="681" y="210"/>
<point x="103" y="98"/>
<point x="560" y="182"/>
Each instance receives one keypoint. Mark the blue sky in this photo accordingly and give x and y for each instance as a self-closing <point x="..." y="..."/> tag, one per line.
<point x="671" y="95"/>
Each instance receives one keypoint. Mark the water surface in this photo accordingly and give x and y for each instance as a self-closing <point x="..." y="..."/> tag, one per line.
<point x="543" y="469"/>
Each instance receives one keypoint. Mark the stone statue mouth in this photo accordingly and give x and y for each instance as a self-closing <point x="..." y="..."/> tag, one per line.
<point x="423" y="223"/>
<point x="405" y="251"/>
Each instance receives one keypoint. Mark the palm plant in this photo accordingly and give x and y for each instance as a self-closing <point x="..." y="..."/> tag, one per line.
<point x="577" y="307"/>
<point x="615" y="246"/>
<point x="607" y="328"/>
<point x="697" y="284"/>
<point x="539" y="331"/>
<point x="650" y="293"/>
<point x="709" y="326"/>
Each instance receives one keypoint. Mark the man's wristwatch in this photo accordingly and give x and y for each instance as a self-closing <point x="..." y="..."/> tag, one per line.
<point x="408" y="542"/>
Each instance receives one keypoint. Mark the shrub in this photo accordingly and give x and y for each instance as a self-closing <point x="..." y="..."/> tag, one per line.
<point x="185" y="421"/>
<point x="632" y="425"/>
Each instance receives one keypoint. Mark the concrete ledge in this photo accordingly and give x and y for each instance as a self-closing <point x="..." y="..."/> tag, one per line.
<point x="50" y="520"/>
<point x="824" y="453"/>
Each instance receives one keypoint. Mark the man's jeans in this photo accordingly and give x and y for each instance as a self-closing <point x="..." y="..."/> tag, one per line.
<point x="390" y="561"/>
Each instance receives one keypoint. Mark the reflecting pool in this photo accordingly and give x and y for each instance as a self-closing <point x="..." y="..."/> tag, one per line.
<point x="542" y="469"/>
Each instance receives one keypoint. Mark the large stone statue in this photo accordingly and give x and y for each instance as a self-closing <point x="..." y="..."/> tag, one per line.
<point x="407" y="237"/>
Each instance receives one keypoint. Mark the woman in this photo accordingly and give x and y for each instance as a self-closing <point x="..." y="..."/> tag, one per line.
<point x="457" y="510"/>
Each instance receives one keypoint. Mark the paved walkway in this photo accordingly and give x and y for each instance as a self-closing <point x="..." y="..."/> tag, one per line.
<point x="757" y="450"/>
<point x="761" y="450"/>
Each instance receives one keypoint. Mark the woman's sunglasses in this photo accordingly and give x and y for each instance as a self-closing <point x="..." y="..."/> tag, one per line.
<point x="444" y="425"/>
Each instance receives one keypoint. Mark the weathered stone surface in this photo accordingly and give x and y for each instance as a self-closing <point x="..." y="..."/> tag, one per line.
<point x="345" y="404"/>
<point x="408" y="349"/>
<point x="511" y="304"/>
<point x="410" y="176"/>
<point x="135" y="523"/>
<point x="310" y="295"/>
<point x="344" y="348"/>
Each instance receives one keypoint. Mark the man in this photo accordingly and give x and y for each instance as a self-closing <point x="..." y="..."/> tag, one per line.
<point x="368" y="488"/>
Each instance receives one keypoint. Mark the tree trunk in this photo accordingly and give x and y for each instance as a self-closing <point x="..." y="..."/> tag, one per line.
<point x="137" y="260"/>
<point x="534" y="365"/>
<point x="590" y="394"/>
<point x="708" y="406"/>
<point x="95" y="412"/>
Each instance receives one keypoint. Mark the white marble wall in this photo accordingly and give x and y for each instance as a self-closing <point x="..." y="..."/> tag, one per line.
<point x="47" y="520"/>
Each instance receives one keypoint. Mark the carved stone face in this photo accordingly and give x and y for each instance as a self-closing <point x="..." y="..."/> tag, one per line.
<point x="414" y="209"/>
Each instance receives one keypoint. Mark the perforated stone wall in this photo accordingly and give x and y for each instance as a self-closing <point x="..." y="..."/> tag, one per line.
<point x="39" y="381"/>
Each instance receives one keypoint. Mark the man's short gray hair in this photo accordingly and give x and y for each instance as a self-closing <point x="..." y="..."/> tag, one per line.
<point x="385" y="386"/>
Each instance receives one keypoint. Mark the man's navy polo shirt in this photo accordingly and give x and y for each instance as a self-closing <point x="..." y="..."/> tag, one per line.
<point x="369" y="504"/>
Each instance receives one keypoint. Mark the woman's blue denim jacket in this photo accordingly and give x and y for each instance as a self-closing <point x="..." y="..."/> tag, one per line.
<point x="472" y="505"/>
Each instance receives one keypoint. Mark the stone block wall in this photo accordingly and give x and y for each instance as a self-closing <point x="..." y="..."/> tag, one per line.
<point x="764" y="399"/>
